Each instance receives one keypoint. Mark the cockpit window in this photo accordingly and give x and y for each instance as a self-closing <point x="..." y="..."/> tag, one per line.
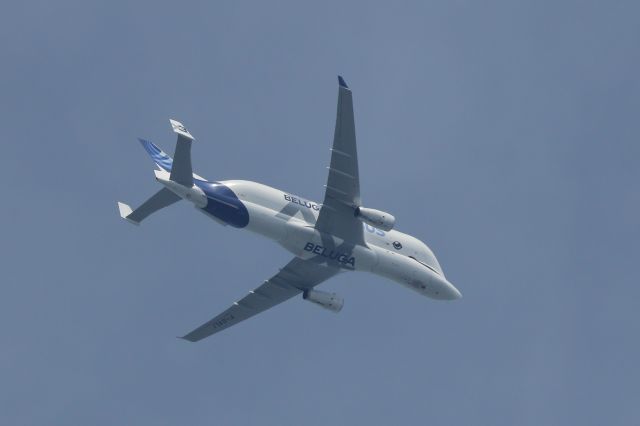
<point x="424" y="264"/>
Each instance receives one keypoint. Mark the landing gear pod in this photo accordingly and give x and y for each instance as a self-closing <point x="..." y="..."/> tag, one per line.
<point x="330" y="301"/>
<point x="376" y="218"/>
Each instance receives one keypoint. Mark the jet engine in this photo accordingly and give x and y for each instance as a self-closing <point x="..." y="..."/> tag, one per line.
<point x="330" y="301"/>
<point x="376" y="218"/>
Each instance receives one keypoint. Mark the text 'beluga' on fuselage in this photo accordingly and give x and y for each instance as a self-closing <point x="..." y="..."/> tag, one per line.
<point x="337" y="235"/>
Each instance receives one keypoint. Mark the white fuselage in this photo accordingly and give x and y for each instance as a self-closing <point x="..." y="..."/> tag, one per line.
<point x="289" y="220"/>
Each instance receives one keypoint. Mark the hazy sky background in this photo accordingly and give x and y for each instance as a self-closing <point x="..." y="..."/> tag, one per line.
<point x="504" y="134"/>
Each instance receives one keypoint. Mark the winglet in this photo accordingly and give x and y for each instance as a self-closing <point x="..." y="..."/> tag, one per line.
<point x="180" y="129"/>
<point x="125" y="211"/>
<point x="342" y="83"/>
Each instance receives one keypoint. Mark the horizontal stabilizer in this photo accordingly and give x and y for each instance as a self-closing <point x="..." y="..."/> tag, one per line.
<point x="159" y="200"/>
<point x="180" y="129"/>
<point x="342" y="83"/>
<point x="181" y="169"/>
<point x="125" y="211"/>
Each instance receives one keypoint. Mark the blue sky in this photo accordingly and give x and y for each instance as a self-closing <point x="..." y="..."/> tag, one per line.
<point x="504" y="134"/>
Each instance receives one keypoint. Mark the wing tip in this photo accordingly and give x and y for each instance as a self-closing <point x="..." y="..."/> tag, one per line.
<point x="342" y="83"/>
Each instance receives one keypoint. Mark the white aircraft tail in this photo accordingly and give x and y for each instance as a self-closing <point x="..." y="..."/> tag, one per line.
<point x="181" y="171"/>
<point x="178" y="169"/>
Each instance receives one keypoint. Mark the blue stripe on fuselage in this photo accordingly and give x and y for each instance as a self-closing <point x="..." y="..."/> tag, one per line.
<point x="223" y="203"/>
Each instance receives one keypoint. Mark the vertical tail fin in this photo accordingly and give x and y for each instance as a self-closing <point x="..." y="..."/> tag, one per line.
<point x="183" y="154"/>
<point x="178" y="170"/>
<point x="162" y="160"/>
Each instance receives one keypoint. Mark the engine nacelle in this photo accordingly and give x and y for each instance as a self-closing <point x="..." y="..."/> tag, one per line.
<point x="376" y="218"/>
<point x="330" y="301"/>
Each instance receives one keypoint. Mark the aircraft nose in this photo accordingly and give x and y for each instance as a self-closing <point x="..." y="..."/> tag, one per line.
<point x="448" y="291"/>
<point x="453" y="292"/>
<point x="435" y="285"/>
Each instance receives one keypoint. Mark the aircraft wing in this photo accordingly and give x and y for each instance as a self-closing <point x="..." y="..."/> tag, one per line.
<point x="293" y="279"/>
<point x="342" y="191"/>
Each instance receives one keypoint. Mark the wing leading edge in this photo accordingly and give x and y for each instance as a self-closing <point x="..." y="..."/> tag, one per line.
<point x="297" y="276"/>
<point x="336" y="217"/>
<point x="342" y="191"/>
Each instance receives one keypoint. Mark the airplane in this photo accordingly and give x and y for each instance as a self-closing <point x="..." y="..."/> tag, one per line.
<point x="336" y="236"/>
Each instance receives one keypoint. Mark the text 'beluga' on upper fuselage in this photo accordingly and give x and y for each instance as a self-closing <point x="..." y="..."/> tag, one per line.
<point x="340" y="234"/>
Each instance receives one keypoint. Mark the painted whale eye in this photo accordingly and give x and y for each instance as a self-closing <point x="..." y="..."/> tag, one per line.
<point x="397" y="245"/>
